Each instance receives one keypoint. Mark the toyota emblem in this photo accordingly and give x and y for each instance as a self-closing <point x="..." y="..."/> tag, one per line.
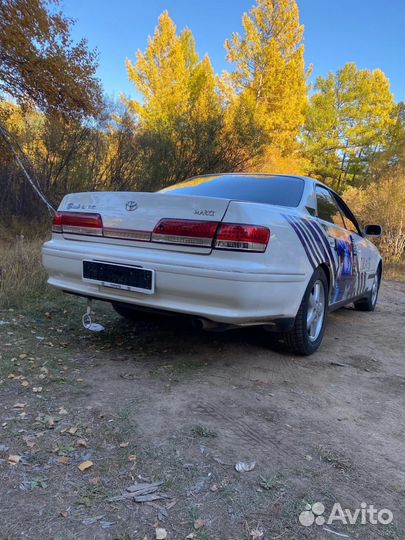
<point x="131" y="206"/>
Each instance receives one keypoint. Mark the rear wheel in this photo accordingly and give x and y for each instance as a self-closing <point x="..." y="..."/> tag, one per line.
<point x="309" y="325"/>
<point x="369" y="303"/>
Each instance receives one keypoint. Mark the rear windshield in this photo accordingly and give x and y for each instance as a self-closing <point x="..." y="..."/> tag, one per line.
<point x="279" y="190"/>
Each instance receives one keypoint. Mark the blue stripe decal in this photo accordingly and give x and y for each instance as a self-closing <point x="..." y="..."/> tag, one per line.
<point x="314" y="241"/>
<point x="319" y="245"/>
<point x="300" y="236"/>
<point x="321" y="235"/>
<point x="312" y="245"/>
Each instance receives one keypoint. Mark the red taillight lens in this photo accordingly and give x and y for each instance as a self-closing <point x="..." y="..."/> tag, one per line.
<point x="78" y="223"/>
<point x="184" y="231"/>
<point x="57" y="222"/>
<point x="242" y="237"/>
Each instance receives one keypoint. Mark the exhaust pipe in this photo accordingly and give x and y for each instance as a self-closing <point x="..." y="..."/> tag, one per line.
<point x="204" y="324"/>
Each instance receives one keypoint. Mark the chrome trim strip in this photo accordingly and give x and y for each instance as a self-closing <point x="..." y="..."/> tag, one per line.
<point x="127" y="234"/>
<point x="91" y="231"/>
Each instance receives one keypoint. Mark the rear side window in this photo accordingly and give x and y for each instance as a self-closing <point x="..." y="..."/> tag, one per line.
<point x="327" y="207"/>
<point x="350" y="220"/>
<point x="278" y="190"/>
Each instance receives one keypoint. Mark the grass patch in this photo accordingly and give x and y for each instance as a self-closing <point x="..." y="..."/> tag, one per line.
<point x="336" y="459"/>
<point x="394" y="271"/>
<point x="91" y="495"/>
<point x="269" y="483"/>
<point x="22" y="276"/>
<point x="203" y="431"/>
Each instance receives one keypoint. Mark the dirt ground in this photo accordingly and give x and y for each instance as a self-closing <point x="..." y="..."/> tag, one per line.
<point x="158" y="401"/>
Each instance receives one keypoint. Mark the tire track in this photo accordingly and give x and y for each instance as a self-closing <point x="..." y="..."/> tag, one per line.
<point x="244" y="430"/>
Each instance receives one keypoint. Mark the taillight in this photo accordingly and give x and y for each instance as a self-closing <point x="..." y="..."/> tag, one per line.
<point x="185" y="232"/>
<point x="57" y="222"/>
<point x="188" y="232"/>
<point x="78" y="223"/>
<point x="242" y="237"/>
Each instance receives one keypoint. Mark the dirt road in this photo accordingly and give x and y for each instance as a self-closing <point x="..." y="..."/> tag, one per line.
<point x="159" y="401"/>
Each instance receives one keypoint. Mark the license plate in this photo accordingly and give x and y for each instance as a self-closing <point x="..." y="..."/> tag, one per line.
<point x="119" y="276"/>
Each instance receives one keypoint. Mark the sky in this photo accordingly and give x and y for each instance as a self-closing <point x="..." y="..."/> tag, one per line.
<point x="370" y="33"/>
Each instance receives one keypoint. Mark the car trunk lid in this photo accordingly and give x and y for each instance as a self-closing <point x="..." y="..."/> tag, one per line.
<point x="129" y="218"/>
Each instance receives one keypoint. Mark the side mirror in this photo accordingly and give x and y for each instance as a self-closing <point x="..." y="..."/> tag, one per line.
<point x="373" y="230"/>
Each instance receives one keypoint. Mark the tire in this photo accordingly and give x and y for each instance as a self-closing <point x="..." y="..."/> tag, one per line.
<point x="305" y="338"/>
<point x="128" y="312"/>
<point x="370" y="301"/>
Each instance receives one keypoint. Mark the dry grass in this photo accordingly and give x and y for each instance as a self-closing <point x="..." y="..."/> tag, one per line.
<point x="22" y="277"/>
<point x="394" y="271"/>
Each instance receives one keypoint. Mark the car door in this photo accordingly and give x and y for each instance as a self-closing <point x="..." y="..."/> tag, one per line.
<point x="341" y="241"/>
<point x="362" y="249"/>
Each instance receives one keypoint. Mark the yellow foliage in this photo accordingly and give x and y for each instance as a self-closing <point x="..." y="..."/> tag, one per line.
<point x="383" y="202"/>
<point x="273" y="161"/>
<point x="269" y="80"/>
<point x="350" y="119"/>
<point x="174" y="83"/>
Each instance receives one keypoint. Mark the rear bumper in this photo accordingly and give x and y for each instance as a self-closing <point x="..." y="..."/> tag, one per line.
<point x="184" y="283"/>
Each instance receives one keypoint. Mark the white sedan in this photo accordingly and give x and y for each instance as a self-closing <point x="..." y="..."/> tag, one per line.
<point x="226" y="249"/>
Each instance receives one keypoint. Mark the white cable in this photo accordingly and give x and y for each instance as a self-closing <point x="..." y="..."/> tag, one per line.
<point x="4" y="133"/>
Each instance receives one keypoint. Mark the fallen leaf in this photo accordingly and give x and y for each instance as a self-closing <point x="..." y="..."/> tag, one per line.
<point x="81" y="442"/>
<point x="124" y="444"/>
<point x="23" y="355"/>
<point x="13" y="459"/>
<point x="63" y="460"/>
<point x="132" y="457"/>
<point x="25" y="383"/>
<point x="161" y="534"/>
<point x="85" y="465"/>
<point x="198" y="523"/>
<point x="20" y="405"/>
<point x="72" y="430"/>
<point x="64" y="514"/>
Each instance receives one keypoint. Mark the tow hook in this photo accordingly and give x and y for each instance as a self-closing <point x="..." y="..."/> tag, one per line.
<point x="87" y="322"/>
